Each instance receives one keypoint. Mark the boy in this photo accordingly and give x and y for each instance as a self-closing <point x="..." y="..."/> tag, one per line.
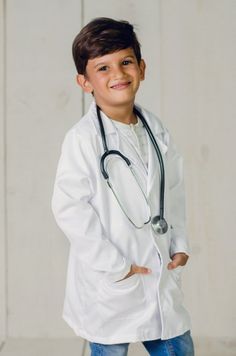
<point x="123" y="281"/>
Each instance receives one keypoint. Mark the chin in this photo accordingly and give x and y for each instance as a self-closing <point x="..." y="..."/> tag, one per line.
<point x="125" y="100"/>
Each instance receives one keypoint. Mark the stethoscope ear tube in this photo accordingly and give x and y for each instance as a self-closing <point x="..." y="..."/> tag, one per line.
<point x="102" y="129"/>
<point x="160" y="159"/>
<point x="105" y="155"/>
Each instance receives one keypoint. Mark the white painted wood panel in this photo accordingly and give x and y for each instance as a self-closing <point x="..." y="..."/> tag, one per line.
<point x="2" y="179"/>
<point x="198" y="61"/>
<point x="42" y="103"/>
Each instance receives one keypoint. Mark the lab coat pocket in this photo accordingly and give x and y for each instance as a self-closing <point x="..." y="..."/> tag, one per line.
<point x="177" y="283"/>
<point x="122" y="299"/>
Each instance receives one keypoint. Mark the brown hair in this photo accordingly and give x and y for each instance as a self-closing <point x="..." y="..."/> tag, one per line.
<point x="102" y="36"/>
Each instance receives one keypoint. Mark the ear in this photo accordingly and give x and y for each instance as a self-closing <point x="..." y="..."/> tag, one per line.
<point x="142" y="67"/>
<point x="84" y="83"/>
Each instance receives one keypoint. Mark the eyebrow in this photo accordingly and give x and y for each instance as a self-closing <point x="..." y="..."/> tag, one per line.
<point x="105" y="63"/>
<point x="100" y="64"/>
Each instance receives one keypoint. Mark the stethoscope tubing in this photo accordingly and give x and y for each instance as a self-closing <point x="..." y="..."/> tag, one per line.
<point x="159" y="155"/>
<point x="108" y="152"/>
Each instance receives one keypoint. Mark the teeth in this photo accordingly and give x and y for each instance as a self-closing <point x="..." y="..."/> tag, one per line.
<point x="120" y="85"/>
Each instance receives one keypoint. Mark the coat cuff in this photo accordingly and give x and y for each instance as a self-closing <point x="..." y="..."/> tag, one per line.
<point x="179" y="243"/>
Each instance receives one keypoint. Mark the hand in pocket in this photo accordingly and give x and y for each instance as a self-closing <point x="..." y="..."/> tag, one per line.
<point x="136" y="269"/>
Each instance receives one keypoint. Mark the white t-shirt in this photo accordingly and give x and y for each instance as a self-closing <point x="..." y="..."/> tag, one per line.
<point x="136" y="136"/>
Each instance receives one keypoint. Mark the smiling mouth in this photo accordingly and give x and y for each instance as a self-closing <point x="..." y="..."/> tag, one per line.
<point x="121" y="85"/>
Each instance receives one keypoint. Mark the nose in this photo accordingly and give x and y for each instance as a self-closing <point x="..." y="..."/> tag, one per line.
<point x="118" y="72"/>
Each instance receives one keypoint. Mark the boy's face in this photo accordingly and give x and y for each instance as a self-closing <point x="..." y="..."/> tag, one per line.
<point x="113" y="78"/>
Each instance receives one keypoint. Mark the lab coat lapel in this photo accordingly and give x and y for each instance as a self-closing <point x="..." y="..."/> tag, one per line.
<point x="112" y="138"/>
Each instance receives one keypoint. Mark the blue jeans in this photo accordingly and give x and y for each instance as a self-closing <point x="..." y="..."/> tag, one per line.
<point x="178" y="346"/>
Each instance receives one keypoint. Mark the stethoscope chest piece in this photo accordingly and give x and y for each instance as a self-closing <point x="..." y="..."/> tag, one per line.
<point x="159" y="225"/>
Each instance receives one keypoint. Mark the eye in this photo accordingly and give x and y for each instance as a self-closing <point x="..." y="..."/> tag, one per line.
<point x="103" y="69"/>
<point x="126" y="62"/>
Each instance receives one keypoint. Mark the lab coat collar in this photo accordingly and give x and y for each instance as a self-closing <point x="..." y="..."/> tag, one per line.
<point x="107" y="123"/>
<point x="110" y="128"/>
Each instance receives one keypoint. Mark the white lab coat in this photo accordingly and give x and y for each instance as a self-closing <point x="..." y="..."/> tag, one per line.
<point x="103" y="243"/>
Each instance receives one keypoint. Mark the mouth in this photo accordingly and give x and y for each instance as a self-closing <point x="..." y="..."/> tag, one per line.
<point x="121" y="85"/>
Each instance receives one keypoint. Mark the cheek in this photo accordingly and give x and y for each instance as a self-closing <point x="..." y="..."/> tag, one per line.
<point x="99" y="82"/>
<point x="136" y="73"/>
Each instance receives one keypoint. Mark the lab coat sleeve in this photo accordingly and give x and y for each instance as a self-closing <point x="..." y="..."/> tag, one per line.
<point x="179" y="242"/>
<point x="74" y="213"/>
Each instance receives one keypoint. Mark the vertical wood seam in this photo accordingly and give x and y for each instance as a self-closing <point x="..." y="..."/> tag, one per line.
<point x="4" y="180"/>
<point x="160" y="57"/>
<point x="82" y="24"/>
<point x="84" y="348"/>
<point x="5" y="162"/>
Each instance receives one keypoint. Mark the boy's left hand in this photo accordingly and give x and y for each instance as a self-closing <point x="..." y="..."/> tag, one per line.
<point x="178" y="259"/>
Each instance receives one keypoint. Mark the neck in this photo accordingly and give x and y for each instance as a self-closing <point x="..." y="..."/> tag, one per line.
<point x="123" y="114"/>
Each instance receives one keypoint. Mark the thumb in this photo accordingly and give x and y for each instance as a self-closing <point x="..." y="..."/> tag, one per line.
<point x="176" y="259"/>
<point x="140" y="269"/>
<point x="172" y="265"/>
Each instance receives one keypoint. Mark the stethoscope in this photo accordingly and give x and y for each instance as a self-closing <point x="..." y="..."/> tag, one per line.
<point x="158" y="222"/>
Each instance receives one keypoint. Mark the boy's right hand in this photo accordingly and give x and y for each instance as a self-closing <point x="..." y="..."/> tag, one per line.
<point x="136" y="269"/>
